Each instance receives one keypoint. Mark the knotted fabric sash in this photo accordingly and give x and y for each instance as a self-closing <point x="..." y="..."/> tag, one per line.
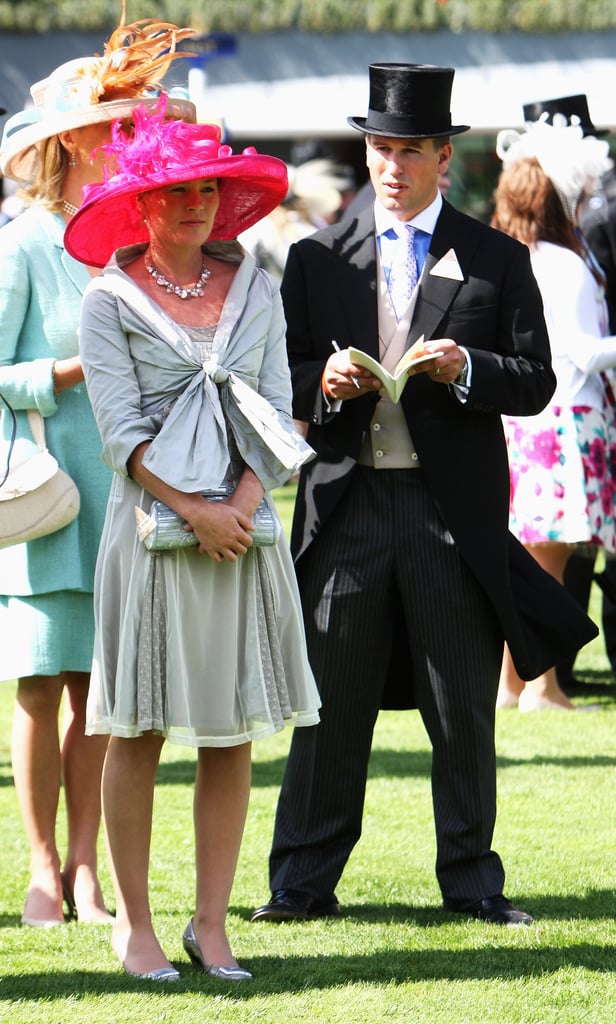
<point x="191" y="452"/>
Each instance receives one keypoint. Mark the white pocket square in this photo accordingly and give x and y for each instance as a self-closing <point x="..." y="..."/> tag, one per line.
<point x="448" y="267"/>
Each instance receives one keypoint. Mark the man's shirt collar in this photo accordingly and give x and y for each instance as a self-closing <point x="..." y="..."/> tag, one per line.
<point x="425" y="220"/>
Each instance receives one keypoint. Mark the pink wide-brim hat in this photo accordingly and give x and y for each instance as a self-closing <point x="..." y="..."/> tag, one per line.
<point x="161" y="153"/>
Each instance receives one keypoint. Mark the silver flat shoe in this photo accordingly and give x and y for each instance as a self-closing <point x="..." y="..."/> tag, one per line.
<point x="234" y="973"/>
<point x="160" y="974"/>
<point x="36" y="922"/>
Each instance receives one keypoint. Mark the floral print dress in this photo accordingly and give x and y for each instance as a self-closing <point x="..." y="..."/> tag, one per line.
<point x="563" y="461"/>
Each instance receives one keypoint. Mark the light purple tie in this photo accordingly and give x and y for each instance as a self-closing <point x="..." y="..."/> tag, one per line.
<point x="403" y="273"/>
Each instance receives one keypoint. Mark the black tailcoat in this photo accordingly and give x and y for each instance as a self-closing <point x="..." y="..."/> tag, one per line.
<point x="329" y="292"/>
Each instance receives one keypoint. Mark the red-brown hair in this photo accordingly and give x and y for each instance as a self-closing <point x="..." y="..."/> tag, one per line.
<point x="528" y="207"/>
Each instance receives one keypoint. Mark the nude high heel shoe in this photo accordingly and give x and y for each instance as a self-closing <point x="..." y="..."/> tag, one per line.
<point x="43" y="902"/>
<point x="94" y="915"/>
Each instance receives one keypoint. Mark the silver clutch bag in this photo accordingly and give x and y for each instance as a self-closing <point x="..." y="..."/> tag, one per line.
<point x="162" y="529"/>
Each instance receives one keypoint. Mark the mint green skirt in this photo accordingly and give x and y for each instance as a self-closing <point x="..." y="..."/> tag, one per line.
<point x="45" y="634"/>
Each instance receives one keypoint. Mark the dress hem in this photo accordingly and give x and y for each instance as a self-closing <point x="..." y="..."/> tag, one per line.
<point x="301" y="720"/>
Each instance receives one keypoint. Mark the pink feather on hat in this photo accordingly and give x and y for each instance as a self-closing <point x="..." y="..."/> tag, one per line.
<point x="162" y="152"/>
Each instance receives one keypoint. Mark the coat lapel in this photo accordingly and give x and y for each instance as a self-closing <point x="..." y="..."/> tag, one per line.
<point x="356" y="277"/>
<point x="52" y="225"/>
<point x="75" y="271"/>
<point x="356" y="282"/>
<point x="449" y="254"/>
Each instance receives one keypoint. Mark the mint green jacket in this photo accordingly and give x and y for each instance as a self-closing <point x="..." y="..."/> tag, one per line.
<point x="40" y="301"/>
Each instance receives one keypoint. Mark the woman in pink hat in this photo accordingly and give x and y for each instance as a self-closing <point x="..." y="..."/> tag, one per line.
<point x="46" y="615"/>
<point x="183" y="343"/>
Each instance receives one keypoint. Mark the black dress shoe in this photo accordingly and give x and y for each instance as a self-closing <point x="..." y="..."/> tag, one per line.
<point x="293" y="905"/>
<point x="494" y="909"/>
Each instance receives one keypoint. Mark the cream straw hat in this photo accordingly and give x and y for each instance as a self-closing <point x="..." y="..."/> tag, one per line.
<point x="93" y="90"/>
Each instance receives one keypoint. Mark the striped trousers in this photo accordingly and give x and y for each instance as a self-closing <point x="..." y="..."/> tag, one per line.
<point x="385" y="561"/>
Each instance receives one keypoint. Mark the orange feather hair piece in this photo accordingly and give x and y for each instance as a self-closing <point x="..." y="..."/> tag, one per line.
<point x="136" y="57"/>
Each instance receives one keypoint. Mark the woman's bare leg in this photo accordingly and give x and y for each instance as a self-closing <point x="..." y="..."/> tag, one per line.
<point x="129" y="774"/>
<point x="36" y="771"/>
<point x="544" y="690"/>
<point x="222" y="790"/>
<point x="82" y="765"/>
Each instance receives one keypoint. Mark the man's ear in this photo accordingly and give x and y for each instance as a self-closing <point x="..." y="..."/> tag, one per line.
<point x="445" y="154"/>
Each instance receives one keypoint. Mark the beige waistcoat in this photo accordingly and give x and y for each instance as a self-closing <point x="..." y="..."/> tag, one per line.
<point x="388" y="444"/>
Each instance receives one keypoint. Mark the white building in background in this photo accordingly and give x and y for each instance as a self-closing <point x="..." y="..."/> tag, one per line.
<point x="285" y="84"/>
<point x="290" y="84"/>
<point x="288" y="90"/>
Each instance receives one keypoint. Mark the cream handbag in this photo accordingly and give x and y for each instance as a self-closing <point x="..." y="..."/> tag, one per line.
<point x="36" y="496"/>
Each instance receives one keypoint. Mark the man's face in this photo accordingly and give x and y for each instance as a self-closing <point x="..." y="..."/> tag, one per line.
<point x="405" y="172"/>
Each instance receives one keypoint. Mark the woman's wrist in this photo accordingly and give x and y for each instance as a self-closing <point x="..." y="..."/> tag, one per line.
<point x="66" y="373"/>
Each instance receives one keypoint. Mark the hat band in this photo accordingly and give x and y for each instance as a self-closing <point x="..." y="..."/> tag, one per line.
<point x="409" y="124"/>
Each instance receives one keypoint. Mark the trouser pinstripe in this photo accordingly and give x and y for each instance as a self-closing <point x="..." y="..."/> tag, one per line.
<point x="385" y="552"/>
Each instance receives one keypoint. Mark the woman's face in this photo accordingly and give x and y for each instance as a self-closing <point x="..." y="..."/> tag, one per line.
<point x="183" y="213"/>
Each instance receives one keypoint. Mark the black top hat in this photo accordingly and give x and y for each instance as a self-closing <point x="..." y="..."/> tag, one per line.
<point x="570" y="107"/>
<point x="409" y="101"/>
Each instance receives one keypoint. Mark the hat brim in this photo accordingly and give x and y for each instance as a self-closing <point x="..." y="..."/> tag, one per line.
<point x="19" y="157"/>
<point x="105" y="224"/>
<point x="362" y="124"/>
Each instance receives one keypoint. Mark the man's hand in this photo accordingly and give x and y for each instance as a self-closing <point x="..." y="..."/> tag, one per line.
<point x="447" y="367"/>
<point x="343" y="379"/>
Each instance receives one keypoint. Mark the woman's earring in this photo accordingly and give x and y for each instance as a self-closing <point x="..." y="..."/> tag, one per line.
<point x="72" y="160"/>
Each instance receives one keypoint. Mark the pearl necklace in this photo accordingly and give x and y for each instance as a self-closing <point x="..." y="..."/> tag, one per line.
<point x="194" y="291"/>
<point x="69" y="208"/>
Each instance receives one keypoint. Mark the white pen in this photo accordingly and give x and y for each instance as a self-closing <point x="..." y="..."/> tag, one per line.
<point x="336" y="348"/>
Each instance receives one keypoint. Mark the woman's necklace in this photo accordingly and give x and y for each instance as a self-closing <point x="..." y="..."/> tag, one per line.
<point x="69" y="208"/>
<point x="182" y="291"/>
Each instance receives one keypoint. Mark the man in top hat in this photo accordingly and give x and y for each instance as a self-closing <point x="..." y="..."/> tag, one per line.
<point x="571" y="109"/>
<point x="410" y="579"/>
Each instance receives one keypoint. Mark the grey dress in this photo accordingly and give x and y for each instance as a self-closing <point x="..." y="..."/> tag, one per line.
<point x="207" y="654"/>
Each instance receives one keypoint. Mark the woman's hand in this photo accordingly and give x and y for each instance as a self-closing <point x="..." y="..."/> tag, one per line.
<point x="223" y="531"/>
<point x="227" y="524"/>
<point x="223" y="528"/>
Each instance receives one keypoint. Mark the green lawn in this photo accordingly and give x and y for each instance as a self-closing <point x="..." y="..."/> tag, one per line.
<point x="394" y="955"/>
